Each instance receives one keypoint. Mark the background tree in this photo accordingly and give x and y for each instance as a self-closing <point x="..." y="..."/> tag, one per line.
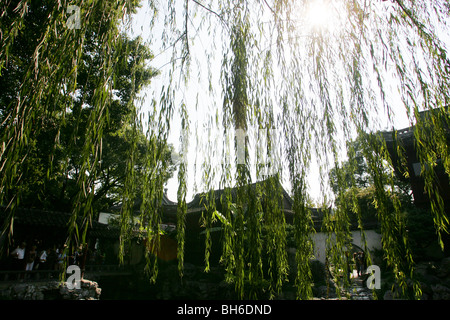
<point x="353" y="179"/>
<point x="53" y="161"/>
<point x="413" y="225"/>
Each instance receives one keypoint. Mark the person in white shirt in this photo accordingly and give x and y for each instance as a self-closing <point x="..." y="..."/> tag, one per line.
<point x="43" y="260"/>
<point x="19" y="257"/>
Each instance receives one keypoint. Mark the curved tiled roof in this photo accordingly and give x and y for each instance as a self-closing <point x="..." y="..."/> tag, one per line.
<point x="35" y="217"/>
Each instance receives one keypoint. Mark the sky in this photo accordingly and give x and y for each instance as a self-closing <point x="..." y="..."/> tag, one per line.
<point x="196" y="92"/>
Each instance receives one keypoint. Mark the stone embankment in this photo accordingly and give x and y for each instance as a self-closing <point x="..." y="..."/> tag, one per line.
<point x="359" y="291"/>
<point x="356" y="291"/>
<point x="50" y="290"/>
<point x="434" y="279"/>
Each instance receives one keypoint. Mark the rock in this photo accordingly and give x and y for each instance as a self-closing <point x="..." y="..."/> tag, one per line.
<point x="321" y="291"/>
<point x="440" y="292"/>
<point x="426" y="290"/>
<point x="30" y="293"/>
<point x="63" y="290"/>
<point x="39" y="296"/>
<point x="431" y="279"/>
<point x="54" y="289"/>
<point x="421" y="269"/>
<point x="425" y="296"/>
<point x="20" y="288"/>
<point x="434" y="279"/>
<point x="392" y="295"/>
<point x="444" y="268"/>
<point x="388" y="295"/>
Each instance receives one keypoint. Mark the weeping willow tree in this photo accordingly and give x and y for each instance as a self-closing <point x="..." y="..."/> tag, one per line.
<point x="280" y="86"/>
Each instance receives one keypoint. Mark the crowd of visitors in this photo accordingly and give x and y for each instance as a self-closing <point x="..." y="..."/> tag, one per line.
<point x="36" y="256"/>
<point x="357" y="261"/>
<point x="360" y="262"/>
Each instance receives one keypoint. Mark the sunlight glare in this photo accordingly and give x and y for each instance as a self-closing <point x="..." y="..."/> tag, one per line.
<point x="319" y="14"/>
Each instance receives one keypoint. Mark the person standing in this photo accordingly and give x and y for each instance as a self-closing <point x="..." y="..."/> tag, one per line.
<point x="51" y="259"/>
<point x="356" y="260"/>
<point x="18" y="259"/>
<point x="18" y="256"/>
<point x="362" y="262"/>
<point x="43" y="260"/>
<point x="61" y="257"/>
<point x="31" y="257"/>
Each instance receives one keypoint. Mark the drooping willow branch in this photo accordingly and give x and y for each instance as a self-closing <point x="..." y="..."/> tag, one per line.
<point x="318" y="87"/>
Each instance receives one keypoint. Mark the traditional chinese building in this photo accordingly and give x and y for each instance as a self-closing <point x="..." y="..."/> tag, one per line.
<point x="405" y="139"/>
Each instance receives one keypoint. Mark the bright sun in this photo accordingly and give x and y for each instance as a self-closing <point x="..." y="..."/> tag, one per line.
<point x="319" y="14"/>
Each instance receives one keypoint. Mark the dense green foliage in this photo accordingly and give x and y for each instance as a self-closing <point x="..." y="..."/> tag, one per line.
<point x="54" y="159"/>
